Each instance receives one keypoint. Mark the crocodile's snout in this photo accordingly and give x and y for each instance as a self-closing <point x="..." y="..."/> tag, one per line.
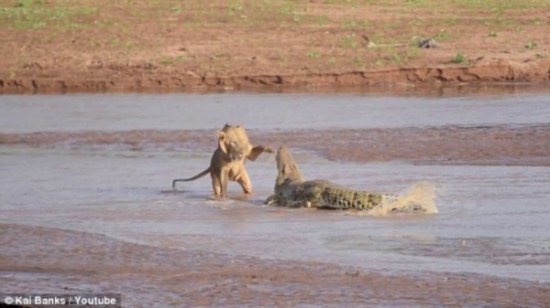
<point x="283" y="158"/>
<point x="282" y="149"/>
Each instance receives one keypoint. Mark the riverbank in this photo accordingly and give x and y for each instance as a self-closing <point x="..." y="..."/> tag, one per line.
<point x="106" y="46"/>
<point x="37" y="258"/>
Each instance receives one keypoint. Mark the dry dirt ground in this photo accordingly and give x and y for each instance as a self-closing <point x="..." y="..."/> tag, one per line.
<point x="169" y="45"/>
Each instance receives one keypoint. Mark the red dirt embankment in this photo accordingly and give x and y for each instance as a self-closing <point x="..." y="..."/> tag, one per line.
<point x="88" y="46"/>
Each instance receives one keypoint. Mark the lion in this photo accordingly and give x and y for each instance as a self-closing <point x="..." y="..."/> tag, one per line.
<point x="227" y="162"/>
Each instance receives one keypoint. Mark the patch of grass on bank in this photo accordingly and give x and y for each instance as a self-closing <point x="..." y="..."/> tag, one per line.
<point x="501" y="4"/>
<point x="240" y="12"/>
<point x="36" y="14"/>
<point x="171" y="60"/>
<point x="313" y="54"/>
<point x="479" y="4"/>
<point x="530" y="45"/>
<point x="459" y="58"/>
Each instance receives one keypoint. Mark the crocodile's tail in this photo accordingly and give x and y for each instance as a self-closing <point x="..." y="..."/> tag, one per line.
<point x="420" y="198"/>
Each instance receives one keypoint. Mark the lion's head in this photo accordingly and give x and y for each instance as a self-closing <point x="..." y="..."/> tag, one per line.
<point x="234" y="142"/>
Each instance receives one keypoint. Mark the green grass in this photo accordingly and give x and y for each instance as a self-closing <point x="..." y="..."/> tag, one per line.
<point x="479" y="4"/>
<point x="459" y="58"/>
<point x="180" y="59"/>
<point x="442" y="36"/>
<point x="413" y="52"/>
<point x="36" y="14"/>
<point x="321" y="20"/>
<point x="359" y="62"/>
<point x="500" y="4"/>
<point x="451" y="21"/>
<point x="531" y="45"/>
<point x="329" y="30"/>
<point x="394" y="57"/>
<point x="313" y="54"/>
<point x="349" y="41"/>
<point x="116" y="43"/>
<point x="352" y="24"/>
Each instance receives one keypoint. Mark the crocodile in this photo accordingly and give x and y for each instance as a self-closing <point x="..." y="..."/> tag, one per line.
<point x="291" y="190"/>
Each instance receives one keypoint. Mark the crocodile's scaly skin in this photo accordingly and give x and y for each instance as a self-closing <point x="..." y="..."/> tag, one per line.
<point x="292" y="191"/>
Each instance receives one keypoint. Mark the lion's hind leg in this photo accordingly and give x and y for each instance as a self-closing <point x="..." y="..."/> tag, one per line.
<point x="216" y="187"/>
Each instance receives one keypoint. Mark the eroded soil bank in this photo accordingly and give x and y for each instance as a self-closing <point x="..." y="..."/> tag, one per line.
<point x="84" y="46"/>
<point x="51" y="259"/>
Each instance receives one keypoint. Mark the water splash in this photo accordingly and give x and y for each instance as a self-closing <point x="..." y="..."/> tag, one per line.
<point x="419" y="198"/>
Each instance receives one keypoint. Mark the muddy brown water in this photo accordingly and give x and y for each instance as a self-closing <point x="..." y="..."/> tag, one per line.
<point x="76" y="167"/>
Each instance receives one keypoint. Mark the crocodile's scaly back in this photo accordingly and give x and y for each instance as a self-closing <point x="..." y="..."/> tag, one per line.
<point x="292" y="190"/>
<point x="325" y="194"/>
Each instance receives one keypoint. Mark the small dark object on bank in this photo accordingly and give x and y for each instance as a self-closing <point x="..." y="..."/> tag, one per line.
<point x="427" y="43"/>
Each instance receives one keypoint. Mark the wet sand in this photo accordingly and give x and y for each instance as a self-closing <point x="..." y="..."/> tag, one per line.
<point x="481" y="145"/>
<point x="51" y="260"/>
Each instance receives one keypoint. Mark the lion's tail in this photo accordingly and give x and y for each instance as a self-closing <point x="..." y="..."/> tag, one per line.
<point x="200" y="175"/>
